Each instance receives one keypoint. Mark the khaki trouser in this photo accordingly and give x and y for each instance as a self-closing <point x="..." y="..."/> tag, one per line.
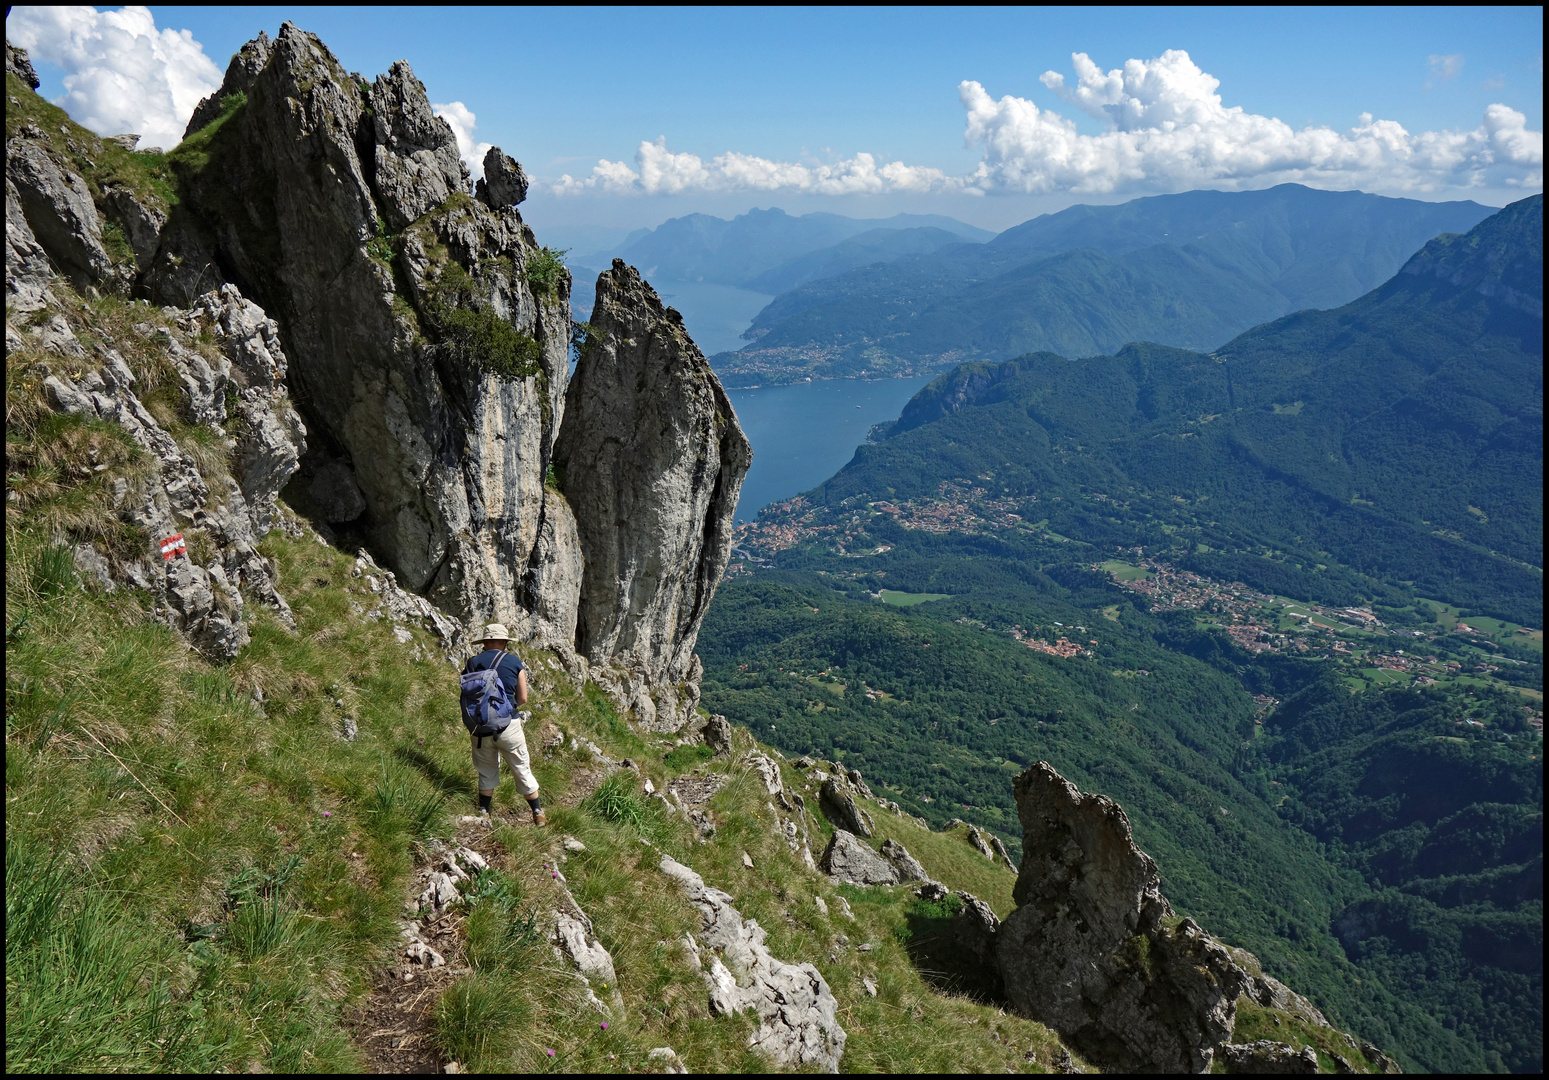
<point x="510" y="745"/>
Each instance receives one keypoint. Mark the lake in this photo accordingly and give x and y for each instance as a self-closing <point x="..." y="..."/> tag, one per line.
<point x="714" y="315"/>
<point x="801" y="434"/>
<point x="805" y="433"/>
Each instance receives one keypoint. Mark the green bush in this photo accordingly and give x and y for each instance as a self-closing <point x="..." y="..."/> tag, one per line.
<point x="545" y="271"/>
<point x="475" y="336"/>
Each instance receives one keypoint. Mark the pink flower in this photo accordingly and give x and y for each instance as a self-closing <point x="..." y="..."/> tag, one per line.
<point x="551" y="1053"/>
<point x="328" y="813"/>
<point x="605" y="1026"/>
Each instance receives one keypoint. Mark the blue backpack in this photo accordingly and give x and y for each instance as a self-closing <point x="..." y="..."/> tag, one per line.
<point x="486" y="707"/>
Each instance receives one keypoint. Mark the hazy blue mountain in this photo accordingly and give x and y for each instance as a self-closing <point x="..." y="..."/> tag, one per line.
<point x="1401" y="433"/>
<point x="1190" y="270"/>
<point x="700" y="247"/>
<point x="589" y="238"/>
<point x="865" y="249"/>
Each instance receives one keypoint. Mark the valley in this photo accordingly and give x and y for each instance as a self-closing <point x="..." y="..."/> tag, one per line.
<point x="1147" y="570"/>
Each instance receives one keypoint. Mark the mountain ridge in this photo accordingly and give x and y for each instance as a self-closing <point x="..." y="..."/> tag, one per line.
<point x="1247" y="258"/>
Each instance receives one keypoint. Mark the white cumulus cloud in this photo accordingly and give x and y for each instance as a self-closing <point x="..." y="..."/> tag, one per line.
<point x="1167" y="130"/>
<point x="121" y="73"/>
<point x="659" y="171"/>
<point x="463" y="124"/>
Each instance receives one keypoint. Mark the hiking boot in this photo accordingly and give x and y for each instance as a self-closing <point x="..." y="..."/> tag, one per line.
<point x="539" y="818"/>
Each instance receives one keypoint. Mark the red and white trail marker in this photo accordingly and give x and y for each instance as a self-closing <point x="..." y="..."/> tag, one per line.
<point x="173" y="545"/>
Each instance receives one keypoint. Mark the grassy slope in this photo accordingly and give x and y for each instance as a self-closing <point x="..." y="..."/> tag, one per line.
<point x="211" y="886"/>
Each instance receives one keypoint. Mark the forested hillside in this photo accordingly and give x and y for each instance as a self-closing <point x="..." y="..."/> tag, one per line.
<point x="1281" y="600"/>
<point x="1189" y="270"/>
<point x="1400" y="435"/>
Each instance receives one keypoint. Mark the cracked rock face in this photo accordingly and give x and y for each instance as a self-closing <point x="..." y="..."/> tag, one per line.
<point x="342" y="208"/>
<point x="1092" y="948"/>
<point x="59" y="211"/>
<point x="202" y="601"/>
<point x="797" y="1012"/>
<point x="26" y="263"/>
<point x="652" y="459"/>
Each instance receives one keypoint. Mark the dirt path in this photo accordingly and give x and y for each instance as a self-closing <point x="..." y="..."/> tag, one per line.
<point x="394" y="1026"/>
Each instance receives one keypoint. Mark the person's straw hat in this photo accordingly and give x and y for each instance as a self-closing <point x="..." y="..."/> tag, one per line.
<point x="496" y="632"/>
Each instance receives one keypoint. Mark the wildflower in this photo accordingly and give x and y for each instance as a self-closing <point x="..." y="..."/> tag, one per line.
<point x="551" y="1053"/>
<point x="605" y="1025"/>
<point x="328" y="813"/>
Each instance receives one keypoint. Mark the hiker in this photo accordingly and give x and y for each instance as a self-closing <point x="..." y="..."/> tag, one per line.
<point x="489" y="704"/>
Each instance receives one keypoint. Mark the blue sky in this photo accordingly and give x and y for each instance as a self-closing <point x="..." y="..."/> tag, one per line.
<point x="796" y="95"/>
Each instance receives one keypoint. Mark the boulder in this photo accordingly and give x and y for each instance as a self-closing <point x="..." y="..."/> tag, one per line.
<point x="768" y="772"/>
<point x="848" y="858"/>
<point x="505" y="181"/>
<point x="718" y="736"/>
<point x="1267" y="1056"/>
<point x="908" y="867"/>
<point x="839" y="807"/>
<point x="976" y="840"/>
<point x="651" y="459"/>
<point x="797" y="1012"/>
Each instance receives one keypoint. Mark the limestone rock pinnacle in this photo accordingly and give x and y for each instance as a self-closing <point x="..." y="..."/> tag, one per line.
<point x="652" y="458"/>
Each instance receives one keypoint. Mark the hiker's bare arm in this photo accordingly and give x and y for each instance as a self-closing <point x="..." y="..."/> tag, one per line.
<point x="521" y="687"/>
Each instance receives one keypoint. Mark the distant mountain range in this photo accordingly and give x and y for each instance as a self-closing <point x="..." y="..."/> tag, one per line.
<point x="1191" y="271"/>
<point x="1400" y="434"/>
<point x="772" y="251"/>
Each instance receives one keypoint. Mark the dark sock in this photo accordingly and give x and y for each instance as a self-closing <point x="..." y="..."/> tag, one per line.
<point x="536" y="804"/>
<point x="484" y="801"/>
